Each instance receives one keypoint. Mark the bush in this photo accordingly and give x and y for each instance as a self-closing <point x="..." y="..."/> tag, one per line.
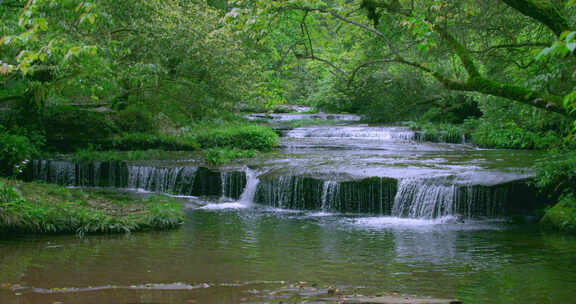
<point x="510" y="136"/>
<point x="556" y="173"/>
<point x="245" y="137"/>
<point x="216" y="156"/>
<point x="134" y="119"/>
<point x="14" y="150"/>
<point x="70" y="125"/>
<point x="143" y="141"/>
<point x="562" y="216"/>
<point x="445" y="133"/>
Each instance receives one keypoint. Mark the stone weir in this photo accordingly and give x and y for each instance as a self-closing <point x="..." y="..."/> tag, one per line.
<point x="176" y="180"/>
<point x="408" y="198"/>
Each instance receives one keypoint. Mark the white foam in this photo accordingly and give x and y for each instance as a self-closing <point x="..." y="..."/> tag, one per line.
<point x="389" y="221"/>
<point x="222" y="206"/>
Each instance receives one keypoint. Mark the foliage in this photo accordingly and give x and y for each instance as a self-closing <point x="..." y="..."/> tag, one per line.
<point x="145" y="141"/>
<point x="556" y="173"/>
<point x="15" y="151"/>
<point x="445" y="133"/>
<point x="510" y="136"/>
<point x="562" y="216"/>
<point x="135" y="120"/>
<point x="505" y="125"/>
<point x="245" y="137"/>
<point x="90" y="154"/>
<point x="217" y="156"/>
<point x="55" y="209"/>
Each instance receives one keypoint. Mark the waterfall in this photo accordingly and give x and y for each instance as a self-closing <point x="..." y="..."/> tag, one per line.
<point x="417" y="198"/>
<point x="371" y="195"/>
<point x="252" y="181"/>
<point x="233" y="184"/>
<point x="376" y="133"/>
<point x="330" y="192"/>
<point x="174" y="180"/>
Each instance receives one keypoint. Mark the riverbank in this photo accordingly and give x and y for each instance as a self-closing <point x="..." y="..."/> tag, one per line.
<point x="35" y="208"/>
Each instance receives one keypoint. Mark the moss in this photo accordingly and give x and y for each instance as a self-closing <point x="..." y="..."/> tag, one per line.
<point x="39" y="209"/>
<point x="562" y="216"/>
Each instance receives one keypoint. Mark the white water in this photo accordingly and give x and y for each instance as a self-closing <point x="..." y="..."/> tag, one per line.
<point x="375" y="133"/>
<point x="417" y="199"/>
<point x="252" y="181"/>
<point x="330" y="191"/>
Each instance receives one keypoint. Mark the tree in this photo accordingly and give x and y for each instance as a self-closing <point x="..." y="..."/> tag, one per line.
<point x="452" y="43"/>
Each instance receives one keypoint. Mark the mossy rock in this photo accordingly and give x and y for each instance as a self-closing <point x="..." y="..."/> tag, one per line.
<point x="562" y="216"/>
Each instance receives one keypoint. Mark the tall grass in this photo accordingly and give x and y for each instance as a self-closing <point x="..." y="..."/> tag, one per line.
<point x="48" y="210"/>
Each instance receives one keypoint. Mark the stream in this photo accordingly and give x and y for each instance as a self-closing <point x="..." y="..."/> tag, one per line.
<point x="346" y="208"/>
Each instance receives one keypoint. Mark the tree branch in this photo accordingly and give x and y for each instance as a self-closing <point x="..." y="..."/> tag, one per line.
<point x="512" y="45"/>
<point x="542" y="11"/>
<point x="335" y="67"/>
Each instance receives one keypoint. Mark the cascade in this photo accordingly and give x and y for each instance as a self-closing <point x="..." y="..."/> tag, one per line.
<point x="418" y="198"/>
<point x="290" y="192"/>
<point x="178" y="180"/>
<point x="371" y="195"/>
<point x="330" y="191"/>
<point x="174" y="180"/>
<point x="252" y="182"/>
<point x="233" y="184"/>
<point x="375" y="133"/>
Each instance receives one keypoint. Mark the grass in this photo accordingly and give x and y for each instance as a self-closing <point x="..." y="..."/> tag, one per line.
<point x="152" y="154"/>
<point x="143" y="141"/>
<point x="217" y="156"/>
<point x="217" y="143"/>
<point x="235" y="136"/>
<point x="48" y="209"/>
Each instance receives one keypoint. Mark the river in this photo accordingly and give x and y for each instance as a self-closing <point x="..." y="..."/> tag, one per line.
<point x="349" y="209"/>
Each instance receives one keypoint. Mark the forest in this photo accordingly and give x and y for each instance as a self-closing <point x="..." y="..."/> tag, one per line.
<point x="485" y="91"/>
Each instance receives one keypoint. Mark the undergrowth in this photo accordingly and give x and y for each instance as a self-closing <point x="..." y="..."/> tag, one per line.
<point x="49" y="209"/>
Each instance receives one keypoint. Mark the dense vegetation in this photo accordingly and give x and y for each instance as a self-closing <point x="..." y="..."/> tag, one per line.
<point x="99" y="75"/>
<point x="40" y="208"/>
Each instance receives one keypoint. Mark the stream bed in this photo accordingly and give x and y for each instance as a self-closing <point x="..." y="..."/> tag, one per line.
<point x="338" y="210"/>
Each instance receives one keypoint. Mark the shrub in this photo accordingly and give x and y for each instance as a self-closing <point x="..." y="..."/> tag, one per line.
<point x="134" y="119"/>
<point x="510" y="136"/>
<point x="140" y="141"/>
<point x="556" y="173"/>
<point x="245" y="137"/>
<point x="447" y="133"/>
<point x="562" y="216"/>
<point x="14" y="150"/>
<point x="216" y="156"/>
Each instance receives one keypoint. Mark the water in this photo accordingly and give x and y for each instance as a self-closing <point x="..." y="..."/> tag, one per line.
<point x="239" y="255"/>
<point x="365" y="210"/>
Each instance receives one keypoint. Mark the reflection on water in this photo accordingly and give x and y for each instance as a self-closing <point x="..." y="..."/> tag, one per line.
<point x="237" y="255"/>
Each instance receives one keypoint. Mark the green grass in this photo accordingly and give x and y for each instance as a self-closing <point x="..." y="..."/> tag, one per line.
<point x="216" y="143"/>
<point x="48" y="209"/>
<point x="143" y="141"/>
<point x="235" y="136"/>
<point x="217" y="156"/>
<point x="152" y="154"/>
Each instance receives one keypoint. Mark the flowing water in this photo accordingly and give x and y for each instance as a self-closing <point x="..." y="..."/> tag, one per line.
<point x="353" y="208"/>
